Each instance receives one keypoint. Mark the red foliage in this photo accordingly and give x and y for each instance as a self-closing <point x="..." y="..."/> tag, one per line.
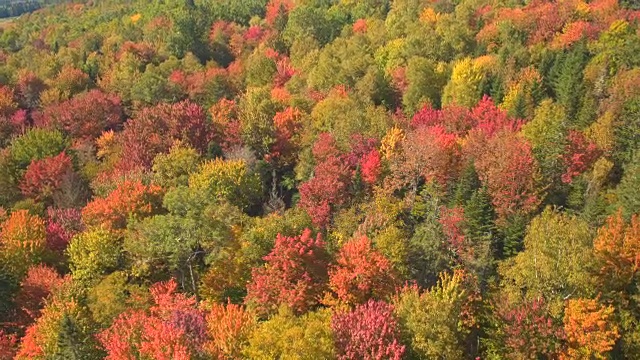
<point x="85" y="116"/>
<point x="28" y="89"/>
<point x="452" y="224"/>
<point x="8" y="345"/>
<point x="432" y="154"/>
<point x="144" y="52"/>
<point x="129" y="199"/>
<point x="276" y="9"/>
<point x="508" y="169"/>
<point x="370" y="167"/>
<point x="285" y="71"/>
<point x="40" y="281"/>
<point x="488" y="119"/>
<point x="361" y="273"/>
<point x="226" y="127"/>
<point x="530" y="330"/>
<point x="370" y="332"/>
<point x="295" y="274"/>
<point x="44" y="177"/>
<point x="329" y="186"/>
<point x="62" y="225"/>
<point x="578" y="156"/>
<point x="153" y="130"/>
<point x="287" y="124"/>
<point x="326" y="190"/>
<point x="360" y="26"/>
<point x="172" y="329"/>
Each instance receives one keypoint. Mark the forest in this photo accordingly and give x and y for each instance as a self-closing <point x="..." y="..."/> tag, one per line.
<point x="320" y="179"/>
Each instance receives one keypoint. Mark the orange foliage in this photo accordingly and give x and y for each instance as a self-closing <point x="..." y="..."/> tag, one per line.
<point x="229" y="327"/>
<point x="589" y="329"/>
<point x="129" y="199"/>
<point x="617" y="247"/>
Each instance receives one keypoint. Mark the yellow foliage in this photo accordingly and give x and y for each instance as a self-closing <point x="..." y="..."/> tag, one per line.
<point x="390" y="143"/>
<point x="463" y="87"/>
<point x="135" y="18"/>
<point x="429" y="16"/>
<point x="601" y="132"/>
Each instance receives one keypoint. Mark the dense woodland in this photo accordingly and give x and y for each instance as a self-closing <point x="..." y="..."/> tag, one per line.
<point x="321" y="179"/>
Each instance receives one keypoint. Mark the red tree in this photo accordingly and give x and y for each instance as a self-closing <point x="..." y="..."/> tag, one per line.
<point x="62" y="225"/>
<point x="44" y="177"/>
<point x="370" y="332"/>
<point x="509" y="170"/>
<point x="128" y="199"/>
<point x="153" y="130"/>
<point x="329" y="187"/>
<point x="8" y="345"/>
<point x="295" y="275"/>
<point x="85" y="116"/>
<point x="40" y="281"/>
<point x="578" y="156"/>
<point x="360" y="273"/>
<point x="171" y="329"/>
<point x="529" y="330"/>
<point x="371" y="167"/>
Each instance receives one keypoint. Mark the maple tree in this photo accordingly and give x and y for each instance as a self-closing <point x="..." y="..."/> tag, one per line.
<point x="23" y="239"/>
<point x="370" y="331"/>
<point x="229" y="326"/>
<point x="84" y="116"/>
<point x="616" y="248"/>
<point x="588" y="329"/>
<point x="37" y="285"/>
<point x="129" y="199"/>
<point x="44" y="177"/>
<point x="360" y="273"/>
<point x="294" y="275"/>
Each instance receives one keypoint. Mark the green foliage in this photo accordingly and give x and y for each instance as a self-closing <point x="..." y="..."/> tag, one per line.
<point x="557" y="259"/>
<point x="93" y="254"/>
<point x="37" y="144"/>
<point x="426" y="81"/>
<point x="432" y="322"/>
<point x="173" y="169"/>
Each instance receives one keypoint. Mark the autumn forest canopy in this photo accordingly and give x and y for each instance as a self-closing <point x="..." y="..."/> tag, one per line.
<point x="320" y="179"/>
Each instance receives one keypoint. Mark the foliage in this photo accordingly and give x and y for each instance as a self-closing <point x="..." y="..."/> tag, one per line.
<point x="370" y="331"/>
<point x="294" y="275"/>
<point x="360" y="273"/>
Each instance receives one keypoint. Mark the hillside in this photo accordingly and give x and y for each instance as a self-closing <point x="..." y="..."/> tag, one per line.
<point x="320" y="179"/>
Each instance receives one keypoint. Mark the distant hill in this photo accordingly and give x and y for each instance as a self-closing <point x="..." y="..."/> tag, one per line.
<point x="11" y="8"/>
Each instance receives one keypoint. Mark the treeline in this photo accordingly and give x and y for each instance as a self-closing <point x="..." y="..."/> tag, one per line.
<point x="12" y="8"/>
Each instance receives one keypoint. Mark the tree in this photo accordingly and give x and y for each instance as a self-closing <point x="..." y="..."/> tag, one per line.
<point x="44" y="177"/>
<point x="360" y="273"/>
<point x="23" y="239"/>
<point x="38" y="284"/>
<point x="93" y="254"/>
<point x="130" y="199"/>
<point x="173" y="169"/>
<point x="232" y="180"/>
<point x="589" y="328"/>
<point x="509" y="171"/>
<point x="172" y="328"/>
<point x="368" y="332"/>
<point x="230" y="327"/>
<point x="617" y="250"/>
<point x="285" y="336"/>
<point x="557" y="259"/>
<point x="84" y="116"/>
<point x="436" y="322"/>
<point x="628" y="197"/>
<point x="295" y="275"/>
<point x="464" y="86"/>
<point x="529" y="330"/>
<point x="37" y="144"/>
